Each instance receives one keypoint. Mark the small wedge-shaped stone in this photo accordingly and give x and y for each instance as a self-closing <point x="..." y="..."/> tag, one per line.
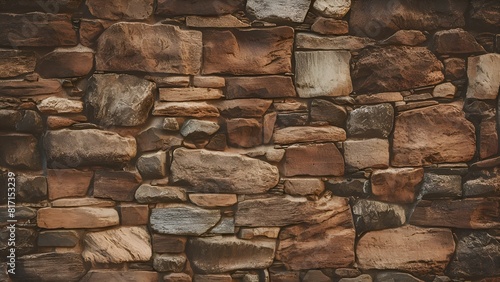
<point x="232" y="174"/>
<point x="78" y="217"/>
<point x="302" y="134"/>
<point x="179" y="219"/>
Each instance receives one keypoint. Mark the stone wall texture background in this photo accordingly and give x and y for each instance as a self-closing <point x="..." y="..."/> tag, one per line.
<point x="258" y="140"/>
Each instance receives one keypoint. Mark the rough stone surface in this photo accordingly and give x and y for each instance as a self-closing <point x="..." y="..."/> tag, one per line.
<point x="349" y="187"/>
<point x="119" y="99"/>
<point x="309" y="41"/>
<point x="279" y="11"/>
<point x="322" y="73"/>
<point x="259" y="87"/>
<point x="467" y="213"/>
<point x="380" y="19"/>
<point x="58" y="238"/>
<point x="385" y="97"/>
<point x="484" y="184"/>
<point x="438" y="134"/>
<point x="115" y="185"/>
<point x="211" y="7"/>
<point x="168" y="243"/>
<point x="366" y="153"/>
<point x="213" y="200"/>
<point x="30" y="6"/>
<point x="371" y="121"/>
<point x="332" y="9"/>
<point x="234" y="174"/>
<point x="169" y="262"/>
<point x="120" y="275"/>
<point x="156" y="194"/>
<point x="183" y="220"/>
<point x="440" y="185"/>
<point x="132" y="214"/>
<point x="405" y="37"/>
<point x="302" y="134"/>
<point x="153" y="165"/>
<point x="189" y="94"/>
<point x="323" y="110"/>
<point x="488" y="138"/>
<point x="66" y="62"/>
<point x="194" y="128"/>
<point x="77" y="217"/>
<point x="19" y="151"/>
<point x="51" y="30"/>
<point x="484" y="15"/>
<point x="444" y="90"/>
<point x="293" y="210"/>
<point x="398" y="185"/>
<point x="243" y="107"/>
<point x="22" y="88"/>
<point x="456" y="41"/>
<point x="454" y="68"/>
<point x="244" y="132"/>
<point x="235" y="52"/>
<point x="373" y="215"/>
<point x="68" y="183"/>
<point x="224" y="21"/>
<point x="31" y="188"/>
<point x="153" y="139"/>
<point x="118" y="245"/>
<point x="204" y="253"/>
<point x="395" y="68"/>
<point x="329" y="26"/>
<point x="304" y="186"/>
<point x="74" y="148"/>
<point x="316" y="275"/>
<point x="484" y="76"/>
<point x="477" y="254"/>
<point x="250" y="233"/>
<point x="56" y="105"/>
<point x="16" y="62"/>
<point x="121" y="10"/>
<point x="314" y="160"/>
<point x="181" y="55"/>
<point x="185" y="109"/>
<point x="27" y="121"/>
<point x="409" y="248"/>
<point x="50" y="267"/>
<point x="329" y="244"/>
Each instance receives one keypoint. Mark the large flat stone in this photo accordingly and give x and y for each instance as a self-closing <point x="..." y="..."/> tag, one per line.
<point x="189" y="94"/>
<point x="315" y="160"/>
<point x="68" y="183"/>
<point x="272" y="86"/>
<point x="66" y="62"/>
<point x="395" y="68"/>
<point x="159" y="194"/>
<point x="243" y="107"/>
<point x="437" y="134"/>
<point x="16" y="30"/>
<point x="73" y="148"/>
<point x="279" y="11"/>
<point x="206" y="8"/>
<point x="479" y="213"/>
<point x="365" y="153"/>
<point x="205" y="254"/>
<point x="371" y="121"/>
<point x="180" y="219"/>
<point x="328" y="244"/>
<point x="484" y="76"/>
<point x="248" y="51"/>
<point x="408" y="248"/>
<point x="233" y="174"/>
<point x="78" y="217"/>
<point x="121" y="9"/>
<point x="21" y="88"/>
<point x="119" y="99"/>
<point x="303" y="134"/>
<point x="123" y="244"/>
<point x="115" y="185"/>
<point x="323" y="73"/>
<point x="181" y="53"/>
<point x="456" y="41"/>
<point x="45" y="267"/>
<point x="286" y="210"/>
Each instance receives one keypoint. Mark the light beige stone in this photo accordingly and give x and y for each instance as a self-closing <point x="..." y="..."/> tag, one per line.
<point x="366" y="153"/>
<point x="484" y="76"/>
<point x="302" y="134"/>
<point x="185" y="109"/>
<point x="77" y="217"/>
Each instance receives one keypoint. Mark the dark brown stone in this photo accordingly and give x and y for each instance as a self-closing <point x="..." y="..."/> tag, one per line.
<point x="259" y="87"/>
<point x="488" y="138"/>
<point x="397" y="185"/>
<point x="68" y="267"/>
<point x="315" y="159"/>
<point x="121" y="9"/>
<point x="69" y="62"/>
<point x="243" y="132"/>
<point x="153" y="139"/>
<point x="236" y="51"/>
<point x="454" y="68"/>
<point x="120" y="276"/>
<point x="395" y="68"/>
<point x="53" y="7"/>
<point x="26" y="121"/>
<point x="36" y="30"/>
<point x="115" y="185"/>
<point x="485" y="15"/>
<point x="91" y="29"/>
<point x="323" y="110"/>
<point x="58" y="238"/>
<point x="64" y="183"/>
<point x="456" y="41"/>
<point x="134" y="214"/>
<point x="292" y="119"/>
<point x="467" y="213"/>
<point x="379" y="19"/>
<point x="405" y="37"/>
<point x="25" y="240"/>
<point x="194" y="7"/>
<point x="31" y="188"/>
<point x="30" y="88"/>
<point x="16" y="62"/>
<point x="20" y="151"/>
<point x="168" y="243"/>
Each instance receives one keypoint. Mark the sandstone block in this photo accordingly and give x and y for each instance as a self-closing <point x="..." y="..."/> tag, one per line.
<point x="78" y="217"/>
<point x="64" y="183"/>
<point x="360" y="154"/>
<point x="16" y="62"/>
<point x="484" y="76"/>
<point x="397" y="184"/>
<point x="314" y="160"/>
<point x="272" y="86"/>
<point x="303" y="134"/>
<point x="183" y="220"/>
<point x="279" y="11"/>
<point x="121" y="9"/>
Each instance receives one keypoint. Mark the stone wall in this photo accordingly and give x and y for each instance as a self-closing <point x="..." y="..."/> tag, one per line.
<point x="258" y="140"/>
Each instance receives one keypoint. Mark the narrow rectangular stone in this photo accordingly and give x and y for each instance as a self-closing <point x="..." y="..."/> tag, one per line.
<point x="79" y="217"/>
<point x="189" y="94"/>
<point x="185" y="109"/>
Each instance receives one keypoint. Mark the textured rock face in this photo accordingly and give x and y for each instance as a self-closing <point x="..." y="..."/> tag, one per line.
<point x="310" y="41"/>
<point x="182" y="54"/>
<point x="380" y="19"/>
<point x="19" y="151"/>
<point x="234" y="52"/>
<point x="119" y="99"/>
<point x="57" y="105"/>
<point x="303" y="134"/>
<point x="484" y="76"/>
<point x="115" y="185"/>
<point x="374" y="215"/>
<point x="456" y="41"/>
<point x="396" y="68"/>
<point x="121" y="10"/>
<point x="259" y="87"/>
<point x="235" y="173"/>
<point x="78" y="217"/>
<point x="183" y="220"/>
<point x="205" y="253"/>
<point x="323" y="245"/>
<point x="332" y="9"/>
<point x="321" y="159"/>
<point x="193" y="7"/>
<point x="51" y="267"/>
<point x="281" y="10"/>
<point x="68" y="183"/>
<point x="484" y="14"/>
<point x="156" y="194"/>
<point x="360" y="154"/>
<point x="323" y="73"/>
<point x="126" y="276"/>
<point x="371" y="121"/>
<point x="74" y="148"/>
<point x="396" y="184"/>
<point x="438" y="134"/>
<point x="118" y="245"/>
<point x="66" y="62"/>
<point x="416" y="250"/>
<point x="16" y="62"/>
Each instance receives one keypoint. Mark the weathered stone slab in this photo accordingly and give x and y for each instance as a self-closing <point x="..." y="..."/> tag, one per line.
<point x="168" y="243"/>
<point x="153" y="139"/>
<point x="263" y="211"/>
<point x="365" y="153"/>
<point x="25" y="121"/>
<point x="20" y="88"/>
<point x="213" y="200"/>
<point x="233" y="174"/>
<point x="332" y="9"/>
<point x="374" y="215"/>
<point x="169" y="262"/>
<point x="437" y="134"/>
<point x="405" y="37"/>
<point x="328" y="26"/>
<point x="121" y="9"/>
<point x="66" y="62"/>
<point x="395" y="68"/>
<point x="243" y="107"/>
<point x="248" y="51"/>
<point x="68" y="183"/>
<point x="119" y="99"/>
<point x="51" y="30"/>
<point x="279" y="11"/>
<point x="58" y="238"/>
<point x="72" y="148"/>
<point x="356" y="187"/>
<point x="486" y="183"/>
<point x="117" y="245"/>
<point x="115" y="185"/>
<point x="189" y="94"/>
<point x="371" y="121"/>
<point x="244" y="132"/>
<point x="132" y="214"/>
<point x="440" y="185"/>
<point x="309" y="41"/>
<point x="204" y="253"/>
<point x="30" y="188"/>
<point x="328" y="244"/>
<point x="19" y="150"/>
<point x="16" y="62"/>
<point x="467" y="213"/>
<point x="268" y="232"/>
<point x="156" y="194"/>
<point x="54" y="7"/>
<point x="68" y="267"/>
<point x="153" y="165"/>
<point x="56" y="105"/>
<point x="323" y="110"/>
<point x="181" y="55"/>
<point x="207" y="7"/>
<point x="397" y="185"/>
<point x="456" y="41"/>
<point x="304" y="186"/>
<point x="185" y="109"/>
<point x="323" y="73"/>
<point x="302" y="134"/>
<point x="273" y="86"/>
<point x="484" y="76"/>
<point x="408" y="248"/>
<point x="78" y="217"/>
<point x="183" y="220"/>
<point x="224" y="21"/>
<point x="385" y="97"/>
<point x="314" y="160"/>
<point x="120" y="275"/>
